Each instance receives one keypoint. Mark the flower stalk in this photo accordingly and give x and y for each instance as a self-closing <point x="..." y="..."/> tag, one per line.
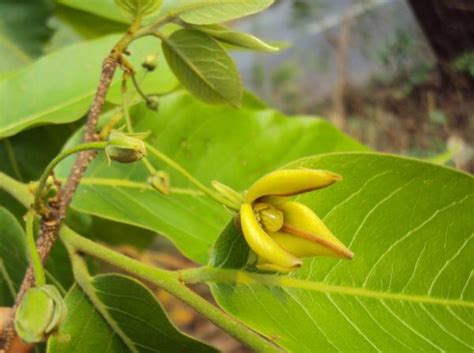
<point x="49" y="169"/>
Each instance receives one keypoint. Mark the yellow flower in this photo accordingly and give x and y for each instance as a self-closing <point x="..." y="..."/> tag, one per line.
<point x="281" y="231"/>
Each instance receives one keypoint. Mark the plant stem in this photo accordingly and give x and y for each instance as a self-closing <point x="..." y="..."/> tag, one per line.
<point x="170" y="281"/>
<point x="16" y="189"/>
<point x="128" y="121"/>
<point x="44" y="177"/>
<point x="171" y="163"/>
<point x="40" y="278"/>
<point x="138" y="88"/>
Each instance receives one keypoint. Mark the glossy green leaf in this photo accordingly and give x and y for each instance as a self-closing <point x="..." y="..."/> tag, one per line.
<point x="136" y="311"/>
<point x="203" y="12"/>
<point x="72" y="75"/>
<point x="409" y="286"/>
<point x="212" y="142"/>
<point x="203" y="67"/>
<point x="23" y="31"/>
<point x="240" y="39"/>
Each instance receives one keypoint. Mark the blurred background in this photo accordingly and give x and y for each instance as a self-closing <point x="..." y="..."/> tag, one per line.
<point x="398" y="75"/>
<point x="395" y="74"/>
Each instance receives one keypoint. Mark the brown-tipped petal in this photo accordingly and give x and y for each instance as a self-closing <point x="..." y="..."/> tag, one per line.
<point x="287" y="182"/>
<point x="304" y="234"/>
<point x="261" y="243"/>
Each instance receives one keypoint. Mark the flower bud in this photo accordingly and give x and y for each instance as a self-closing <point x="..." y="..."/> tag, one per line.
<point x="153" y="103"/>
<point x="160" y="181"/>
<point x="40" y="313"/>
<point x="124" y="148"/>
<point x="150" y="62"/>
<point x="228" y="193"/>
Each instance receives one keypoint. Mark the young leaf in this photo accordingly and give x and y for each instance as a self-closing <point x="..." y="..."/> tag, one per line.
<point x="203" y="67"/>
<point x="212" y="143"/>
<point x="239" y="39"/>
<point x="139" y="7"/>
<point x="203" y="12"/>
<point x="136" y="311"/>
<point x="409" y="286"/>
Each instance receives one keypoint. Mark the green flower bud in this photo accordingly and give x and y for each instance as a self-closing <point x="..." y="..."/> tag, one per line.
<point x="40" y="313"/>
<point x="124" y="148"/>
<point x="150" y="62"/>
<point x="153" y="103"/>
<point x="160" y="181"/>
<point x="230" y="194"/>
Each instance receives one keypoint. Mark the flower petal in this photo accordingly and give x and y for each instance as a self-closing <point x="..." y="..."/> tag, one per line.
<point x="261" y="243"/>
<point x="304" y="234"/>
<point x="265" y="266"/>
<point x="286" y="182"/>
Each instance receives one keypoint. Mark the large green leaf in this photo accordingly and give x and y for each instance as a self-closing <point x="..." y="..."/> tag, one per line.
<point x="203" y="67"/>
<point x="23" y="31"/>
<point x="134" y="309"/>
<point x="72" y="75"/>
<point x="212" y="142"/>
<point x="410" y="285"/>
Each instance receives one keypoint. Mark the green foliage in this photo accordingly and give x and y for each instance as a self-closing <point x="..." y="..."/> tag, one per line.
<point x="13" y="260"/>
<point x="203" y="67"/>
<point x="211" y="142"/>
<point x="139" y="7"/>
<point x="136" y="311"/>
<point x="409" y="224"/>
<point x="465" y="63"/>
<point x="205" y="12"/>
<point x="72" y="75"/>
<point x="23" y="31"/>
<point x="103" y="8"/>
<point x="20" y="156"/>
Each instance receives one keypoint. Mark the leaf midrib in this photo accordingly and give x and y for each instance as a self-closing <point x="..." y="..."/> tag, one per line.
<point x="246" y="278"/>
